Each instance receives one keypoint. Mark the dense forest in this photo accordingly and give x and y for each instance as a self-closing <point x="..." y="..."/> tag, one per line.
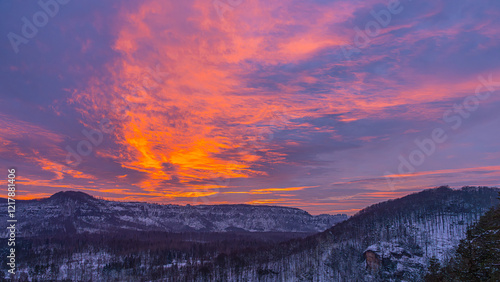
<point x="122" y="255"/>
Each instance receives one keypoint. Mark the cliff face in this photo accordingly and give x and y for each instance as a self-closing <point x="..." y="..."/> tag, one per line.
<point x="393" y="260"/>
<point x="373" y="260"/>
<point x="76" y="212"/>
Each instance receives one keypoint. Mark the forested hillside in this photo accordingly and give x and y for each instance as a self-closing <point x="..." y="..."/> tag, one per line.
<point x="390" y="241"/>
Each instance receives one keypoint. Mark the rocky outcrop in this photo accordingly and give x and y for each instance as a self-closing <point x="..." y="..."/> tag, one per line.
<point x="373" y="261"/>
<point x="392" y="260"/>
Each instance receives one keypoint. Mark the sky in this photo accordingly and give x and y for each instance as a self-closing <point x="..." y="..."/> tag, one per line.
<point x="327" y="106"/>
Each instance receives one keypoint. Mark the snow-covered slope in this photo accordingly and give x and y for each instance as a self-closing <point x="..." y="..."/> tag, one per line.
<point x="77" y="212"/>
<point x="390" y="241"/>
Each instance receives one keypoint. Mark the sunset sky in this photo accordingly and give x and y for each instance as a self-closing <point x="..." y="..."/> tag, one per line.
<point x="292" y="103"/>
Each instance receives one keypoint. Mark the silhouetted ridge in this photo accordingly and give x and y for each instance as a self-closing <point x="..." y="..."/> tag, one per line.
<point x="442" y="198"/>
<point x="74" y="195"/>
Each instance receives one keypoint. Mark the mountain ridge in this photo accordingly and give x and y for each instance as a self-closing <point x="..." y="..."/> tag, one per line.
<point x="78" y="212"/>
<point x="70" y="194"/>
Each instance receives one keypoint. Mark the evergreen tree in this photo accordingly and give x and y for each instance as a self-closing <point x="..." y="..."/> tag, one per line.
<point x="478" y="256"/>
<point x="434" y="272"/>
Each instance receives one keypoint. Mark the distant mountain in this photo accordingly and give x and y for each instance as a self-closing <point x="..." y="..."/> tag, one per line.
<point x="76" y="212"/>
<point x="389" y="241"/>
